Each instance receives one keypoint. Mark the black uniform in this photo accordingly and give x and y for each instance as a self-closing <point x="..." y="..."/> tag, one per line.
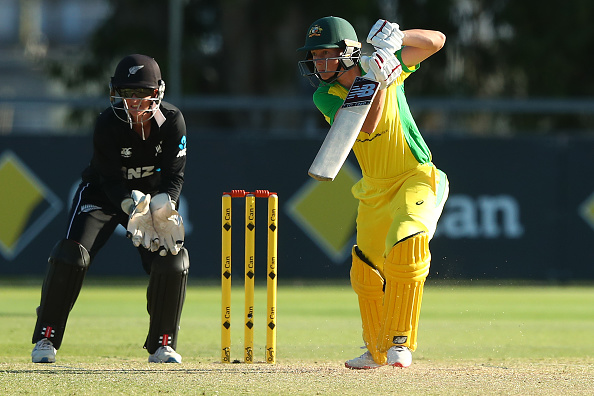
<point x="122" y="161"/>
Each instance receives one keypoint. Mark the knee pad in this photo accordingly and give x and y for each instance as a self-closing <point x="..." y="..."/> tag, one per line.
<point x="405" y="270"/>
<point x="166" y="293"/>
<point x="171" y="263"/>
<point x="70" y="253"/>
<point x="368" y="283"/>
<point x="68" y="264"/>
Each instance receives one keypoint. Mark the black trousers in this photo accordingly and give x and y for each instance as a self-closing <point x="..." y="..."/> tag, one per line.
<point x="93" y="220"/>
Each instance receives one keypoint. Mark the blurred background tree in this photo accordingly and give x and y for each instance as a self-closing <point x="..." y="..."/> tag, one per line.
<point x="494" y="49"/>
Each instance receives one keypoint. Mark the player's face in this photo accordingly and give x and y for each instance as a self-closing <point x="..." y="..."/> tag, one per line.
<point x="138" y="102"/>
<point x="326" y="61"/>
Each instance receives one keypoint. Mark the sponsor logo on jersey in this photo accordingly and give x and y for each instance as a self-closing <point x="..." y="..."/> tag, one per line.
<point x="182" y="147"/>
<point x="126" y="152"/>
<point x="138" y="172"/>
<point x="158" y="149"/>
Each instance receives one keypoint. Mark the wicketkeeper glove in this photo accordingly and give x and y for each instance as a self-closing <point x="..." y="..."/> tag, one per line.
<point x="140" y="227"/>
<point x="386" y="35"/>
<point x="382" y="66"/>
<point x="168" y="223"/>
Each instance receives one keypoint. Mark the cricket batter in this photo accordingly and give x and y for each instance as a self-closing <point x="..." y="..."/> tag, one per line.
<point x="401" y="194"/>
<point x="134" y="178"/>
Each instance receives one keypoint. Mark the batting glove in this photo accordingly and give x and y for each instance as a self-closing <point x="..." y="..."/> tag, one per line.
<point x="168" y="223"/>
<point x="368" y="72"/>
<point x="140" y="227"/>
<point x="386" y="35"/>
<point x="382" y="66"/>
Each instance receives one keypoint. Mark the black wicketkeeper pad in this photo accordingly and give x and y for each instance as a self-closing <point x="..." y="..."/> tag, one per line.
<point x="166" y="293"/>
<point x="68" y="264"/>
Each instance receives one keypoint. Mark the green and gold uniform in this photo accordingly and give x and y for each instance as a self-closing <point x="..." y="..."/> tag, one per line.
<point x="401" y="196"/>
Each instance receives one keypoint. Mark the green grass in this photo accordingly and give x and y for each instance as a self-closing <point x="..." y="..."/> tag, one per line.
<point x="472" y="339"/>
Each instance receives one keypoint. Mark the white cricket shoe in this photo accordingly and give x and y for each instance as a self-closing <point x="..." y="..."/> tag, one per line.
<point x="399" y="356"/>
<point x="165" y="354"/>
<point x="363" y="362"/>
<point x="44" y="352"/>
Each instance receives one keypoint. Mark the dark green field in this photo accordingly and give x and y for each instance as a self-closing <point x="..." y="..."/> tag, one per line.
<point x="473" y="339"/>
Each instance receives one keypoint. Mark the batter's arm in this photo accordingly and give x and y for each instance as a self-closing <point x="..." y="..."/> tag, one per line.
<point x="375" y="112"/>
<point x="419" y="44"/>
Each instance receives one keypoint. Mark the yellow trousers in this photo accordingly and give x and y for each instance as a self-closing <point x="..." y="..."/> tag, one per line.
<point x="389" y="279"/>
<point x="393" y="209"/>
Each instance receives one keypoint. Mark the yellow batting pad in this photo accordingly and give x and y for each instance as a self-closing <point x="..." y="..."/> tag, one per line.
<point x="368" y="284"/>
<point x="405" y="271"/>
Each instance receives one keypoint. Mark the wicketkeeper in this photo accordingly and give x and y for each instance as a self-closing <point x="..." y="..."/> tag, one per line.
<point x="134" y="179"/>
<point x="401" y="194"/>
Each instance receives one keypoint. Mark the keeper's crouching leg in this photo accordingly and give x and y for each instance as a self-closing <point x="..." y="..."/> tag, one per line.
<point x="405" y="271"/>
<point x="68" y="264"/>
<point x="368" y="283"/>
<point x="166" y="293"/>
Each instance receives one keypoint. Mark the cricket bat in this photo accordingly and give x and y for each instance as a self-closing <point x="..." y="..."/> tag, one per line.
<point x="344" y="130"/>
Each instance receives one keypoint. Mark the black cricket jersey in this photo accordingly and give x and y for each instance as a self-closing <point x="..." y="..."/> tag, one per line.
<point x="123" y="162"/>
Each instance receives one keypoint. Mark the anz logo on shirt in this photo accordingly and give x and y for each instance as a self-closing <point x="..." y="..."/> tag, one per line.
<point x="182" y="147"/>
<point x="139" y="172"/>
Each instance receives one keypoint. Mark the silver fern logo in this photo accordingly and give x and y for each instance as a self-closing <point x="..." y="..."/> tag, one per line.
<point x="88" y="208"/>
<point x="134" y="69"/>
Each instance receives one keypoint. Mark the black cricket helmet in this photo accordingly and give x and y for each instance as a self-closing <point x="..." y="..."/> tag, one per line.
<point x="138" y="74"/>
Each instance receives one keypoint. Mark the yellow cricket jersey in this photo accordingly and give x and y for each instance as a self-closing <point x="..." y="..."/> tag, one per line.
<point x="394" y="158"/>
<point x="396" y="146"/>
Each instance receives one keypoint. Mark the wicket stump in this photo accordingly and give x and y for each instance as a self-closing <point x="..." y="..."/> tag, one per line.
<point x="249" y="274"/>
